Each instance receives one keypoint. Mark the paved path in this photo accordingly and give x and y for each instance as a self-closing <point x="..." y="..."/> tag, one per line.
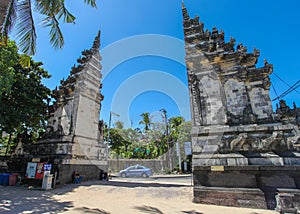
<point x="151" y="196"/>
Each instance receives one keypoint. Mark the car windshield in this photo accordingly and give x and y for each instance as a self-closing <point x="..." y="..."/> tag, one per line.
<point x="135" y="167"/>
<point x="131" y="168"/>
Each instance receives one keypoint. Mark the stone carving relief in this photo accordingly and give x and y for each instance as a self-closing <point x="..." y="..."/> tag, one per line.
<point x="275" y="142"/>
<point x="239" y="142"/>
<point x="262" y="142"/>
<point x="224" y="79"/>
<point x="196" y="99"/>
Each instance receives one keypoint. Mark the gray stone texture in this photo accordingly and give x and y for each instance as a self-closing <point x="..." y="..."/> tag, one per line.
<point x="238" y="197"/>
<point x="73" y="138"/>
<point x="234" y="128"/>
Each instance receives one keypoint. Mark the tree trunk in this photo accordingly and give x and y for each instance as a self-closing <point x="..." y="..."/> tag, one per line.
<point x="8" y="144"/>
<point x="3" y="8"/>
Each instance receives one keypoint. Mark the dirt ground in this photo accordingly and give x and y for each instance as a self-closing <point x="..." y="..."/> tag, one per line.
<point x="115" y="196"/>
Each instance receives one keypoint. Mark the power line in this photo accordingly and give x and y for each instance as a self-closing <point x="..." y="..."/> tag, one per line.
<point x="274" y="90"/>
<point x="284" y="82"/>
<point x="291" y="89"/>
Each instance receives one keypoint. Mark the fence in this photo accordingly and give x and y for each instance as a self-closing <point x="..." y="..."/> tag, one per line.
<point x="157" y="165"/>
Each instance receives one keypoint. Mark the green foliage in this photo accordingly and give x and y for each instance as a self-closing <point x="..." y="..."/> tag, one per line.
<point x="145" y="121"/>
<point x="184" y="132"/>
<point x="175" y="128"/>
<point x="19" y="13"/>
<point x="119" y="124"/>
<point x="23" y="107"/>
<point x="117" y="142"/>
<point x="150" y="144"/>
<point x="3" y="143"/>
<point x="25" y="104"/>
<point x="8" y="60"/>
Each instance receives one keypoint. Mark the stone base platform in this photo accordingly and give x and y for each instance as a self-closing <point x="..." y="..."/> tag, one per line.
<point x="88" y="172"/>
<point x="68" y="155"/>
<point x="236" y="197"/>
<point x="245" y="186"/>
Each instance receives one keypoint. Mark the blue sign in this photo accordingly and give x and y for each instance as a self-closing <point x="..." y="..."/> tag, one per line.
<point x="47" y="167"/>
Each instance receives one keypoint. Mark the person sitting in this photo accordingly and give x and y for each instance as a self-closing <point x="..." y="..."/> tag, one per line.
<point x="76" y="177"/>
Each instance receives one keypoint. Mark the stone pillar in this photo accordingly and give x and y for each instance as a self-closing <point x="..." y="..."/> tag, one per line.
<point x="73" y="139"/>
<point x="242" y="153"/>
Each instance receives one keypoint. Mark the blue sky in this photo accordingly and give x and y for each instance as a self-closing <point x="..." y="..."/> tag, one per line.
<point x="155" y="77"/>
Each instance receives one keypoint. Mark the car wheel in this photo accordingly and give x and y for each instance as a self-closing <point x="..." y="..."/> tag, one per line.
<point x="123" y="175"/>
<point x="144" y="175"/>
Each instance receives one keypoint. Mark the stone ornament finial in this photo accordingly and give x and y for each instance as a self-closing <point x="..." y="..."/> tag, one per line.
<point x="96" y="44"/>
<point x="184" y="11"/>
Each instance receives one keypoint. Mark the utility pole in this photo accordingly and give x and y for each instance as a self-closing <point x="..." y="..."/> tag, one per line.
<point x="108" y="130"/>
<point x="179" y="156"/>
<point x="168" y="140"/>
<point x="109" y="124"/>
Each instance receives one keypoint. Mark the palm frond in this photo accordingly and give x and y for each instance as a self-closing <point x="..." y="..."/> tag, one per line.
<point x="54" y="10"/>
<point x="68" y="17"/>
<point x="91" y="2"/>
<point x="26" y="35"/>
<point x="10" y="18"/>
<point x="49" y="7"/>
<point x="56" y="37"/>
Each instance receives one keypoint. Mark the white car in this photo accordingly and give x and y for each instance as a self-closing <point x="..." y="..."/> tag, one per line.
<point x="136" y="171"/>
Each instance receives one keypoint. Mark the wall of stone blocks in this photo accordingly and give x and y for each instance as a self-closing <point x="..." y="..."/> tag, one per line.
<point x="156" y="165"/>
<point x="236" y="96"/>
<point x="88" y="172"/>
<point x="260" y="102"/>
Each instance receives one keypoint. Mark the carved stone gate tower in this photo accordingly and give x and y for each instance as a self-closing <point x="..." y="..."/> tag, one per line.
<point x="73" y="139"/>
<point x="243" y="154"/>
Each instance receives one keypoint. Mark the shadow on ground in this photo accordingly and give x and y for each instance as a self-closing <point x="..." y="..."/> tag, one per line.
<point x="153" y="210"/>
<point x="19" y="199"/>
<point x="192" y="212"/>
<point x="148" y="209"/>
<point x="90" y="210"/>
<point x="133" y="184"/>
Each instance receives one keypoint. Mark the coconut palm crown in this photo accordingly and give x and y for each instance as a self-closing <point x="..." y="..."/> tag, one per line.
<point x="19" y="16"/>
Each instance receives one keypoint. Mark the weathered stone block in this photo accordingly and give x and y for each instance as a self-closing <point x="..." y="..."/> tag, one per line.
<point x="237" y="161"/>
<point x="239" y="197"/>
<point x="234" y="127"/>
<point x="278" y="181"/>
<point x="277" y="161"/>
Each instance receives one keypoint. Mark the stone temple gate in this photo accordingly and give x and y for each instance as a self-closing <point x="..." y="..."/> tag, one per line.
<point x="243" y="153"/>
<point x="73" y="140"/>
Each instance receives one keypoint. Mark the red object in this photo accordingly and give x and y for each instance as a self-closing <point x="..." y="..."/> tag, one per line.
<point x="13" y="179"/>
<point x="39" y="171"/>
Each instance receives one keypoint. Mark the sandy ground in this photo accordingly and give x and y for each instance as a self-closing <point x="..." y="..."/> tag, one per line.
<point x="115" y="196"/>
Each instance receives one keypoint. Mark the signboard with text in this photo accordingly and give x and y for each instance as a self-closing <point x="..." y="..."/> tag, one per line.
<point x="47" y="167"/>
<point x="39" y="171"/>
<point x="31" y="170"/>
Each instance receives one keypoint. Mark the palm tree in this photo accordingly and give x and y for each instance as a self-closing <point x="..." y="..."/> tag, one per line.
<point x="175" y="122"/>
<point x="119" y="125"/>
<point x="145" y="121"/>
<point x="19" y="13"/>
<point x="175" y="125"/>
